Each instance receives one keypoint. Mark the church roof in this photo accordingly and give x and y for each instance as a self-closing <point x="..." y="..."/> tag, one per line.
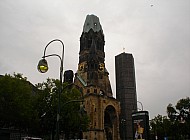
<point x="92" y="22"/>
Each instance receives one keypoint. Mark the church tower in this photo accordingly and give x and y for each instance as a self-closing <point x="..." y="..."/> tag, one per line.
<point x="93" y="79"/>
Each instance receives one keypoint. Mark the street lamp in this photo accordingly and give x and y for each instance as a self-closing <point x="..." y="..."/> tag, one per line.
<point x="123" y="122"/>
<point x="141" y="105"/>
<point x="43" y="67"/>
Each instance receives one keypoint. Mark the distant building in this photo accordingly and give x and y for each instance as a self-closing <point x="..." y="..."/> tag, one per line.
<point x="126" y="92"/>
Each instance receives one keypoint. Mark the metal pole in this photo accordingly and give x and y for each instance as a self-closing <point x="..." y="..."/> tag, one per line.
<point x="141" y="105"/>
<point x="61" y="85"/>
<point x="61" y="77"/>
<point x="123" y="121"/>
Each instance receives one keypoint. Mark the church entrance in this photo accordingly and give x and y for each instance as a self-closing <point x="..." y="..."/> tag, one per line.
<point x="109" y="122"/>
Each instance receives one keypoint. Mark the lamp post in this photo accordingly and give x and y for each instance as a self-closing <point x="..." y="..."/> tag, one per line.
<point x="123" y="122"/>
<point x="43" y="67"/>
<point x="141" y="105"/>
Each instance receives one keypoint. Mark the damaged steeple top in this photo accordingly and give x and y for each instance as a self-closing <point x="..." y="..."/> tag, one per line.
<point x="92" y="22"/>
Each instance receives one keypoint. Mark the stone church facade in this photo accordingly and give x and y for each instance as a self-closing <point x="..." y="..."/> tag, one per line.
<point x="92" y="78"/>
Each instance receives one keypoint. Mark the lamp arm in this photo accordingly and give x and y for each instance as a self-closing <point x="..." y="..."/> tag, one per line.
<point x="140" y="104"/>
<point x="52" y="55"/>
<point x="61" y="58"/>
<point x="51" y="42"/>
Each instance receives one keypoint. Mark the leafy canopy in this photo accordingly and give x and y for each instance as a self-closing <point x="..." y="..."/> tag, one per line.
<point x="33" y="109"/>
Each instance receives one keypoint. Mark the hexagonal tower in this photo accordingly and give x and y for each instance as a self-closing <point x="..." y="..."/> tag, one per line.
<point x="93" y="79"/>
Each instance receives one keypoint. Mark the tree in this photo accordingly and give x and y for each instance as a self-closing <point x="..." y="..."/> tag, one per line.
<point x="180" y="117"/>
<point x="160" y="127"/>
<point x="33" y="109"/>
<point x="176" y="125"/>
<point x="16" y="110"/>
<point x="71" y="121"/>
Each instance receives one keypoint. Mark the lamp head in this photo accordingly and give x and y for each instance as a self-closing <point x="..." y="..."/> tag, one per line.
<point x="43" y="66"/>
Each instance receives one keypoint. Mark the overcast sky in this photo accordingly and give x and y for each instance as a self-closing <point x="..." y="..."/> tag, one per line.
<point x="156" y="32"/>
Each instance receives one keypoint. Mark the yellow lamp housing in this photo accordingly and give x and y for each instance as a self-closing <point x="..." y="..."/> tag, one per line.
<point x="43" y="66"/>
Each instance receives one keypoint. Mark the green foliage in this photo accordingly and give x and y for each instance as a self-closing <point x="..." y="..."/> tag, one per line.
<point x="34" y="108"/>
<point x="183" y="104"/>
<point x="160" y="126"/>
<point x="177" y="125"/>
<point x="16" y="108"/>
<point x="180" y="117"/>
<point x="181" y="111"/>
<point x="71" y="121"/>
